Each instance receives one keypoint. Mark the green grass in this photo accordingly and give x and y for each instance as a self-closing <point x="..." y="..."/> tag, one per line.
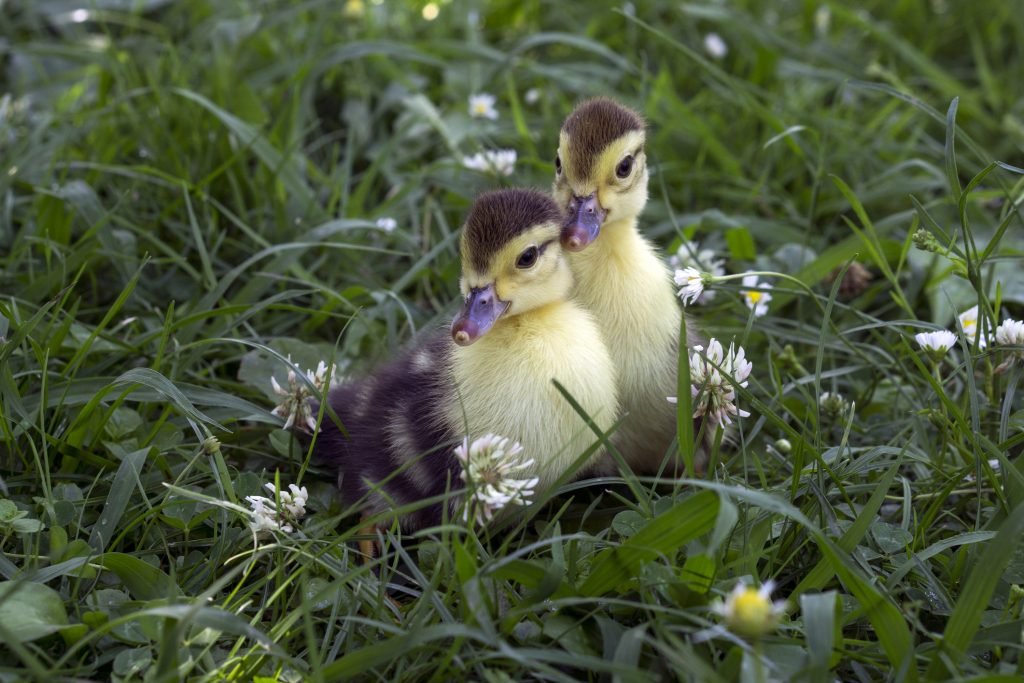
<point x="189" y="190"/>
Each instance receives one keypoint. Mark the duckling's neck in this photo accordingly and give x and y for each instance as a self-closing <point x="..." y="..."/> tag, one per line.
<point x="620" y="243"/>
<point x="623" y="280"/>
<point x="539" y="318"/>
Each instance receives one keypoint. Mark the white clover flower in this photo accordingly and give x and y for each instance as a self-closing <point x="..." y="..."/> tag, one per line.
<point x="481" y="106"/>
<point x="833" y="405"/>
<point x="387" y="224"/>
<point x="690" y="255"/>
<point x="715" y="46"/>
<point x="750" y="612"/>
<point x="712" y="376"/>
<point x="267" y="517"/>
<point x="969" y="324"/>
<point x="500" y="161"/>
<point x="263" y="518"/>
<point x="1010" y="333"/>
<point x="295" y="408"/>
<point x="532" y="96"/>
<point x="691" y="284"/>
<point x="936" y="343"/>
<point x="488" y="467"/>
<point x="756" y="299"/>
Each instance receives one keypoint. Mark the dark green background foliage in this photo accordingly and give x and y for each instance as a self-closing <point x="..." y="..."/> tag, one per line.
<point x="189" y="192"/>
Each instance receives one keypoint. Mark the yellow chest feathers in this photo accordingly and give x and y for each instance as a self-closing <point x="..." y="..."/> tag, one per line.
<point x="623" y="282"/>
<point x="504" y="385"/>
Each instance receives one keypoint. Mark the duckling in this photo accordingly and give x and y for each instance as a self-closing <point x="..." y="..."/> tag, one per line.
<point x="601" y="178"/>
<point x="516" y="331"/>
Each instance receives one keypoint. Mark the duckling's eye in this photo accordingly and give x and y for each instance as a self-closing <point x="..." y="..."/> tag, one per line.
<point x="527" y="258"/>
<point x="558" y="164"/>
<point x="624" y="167"/>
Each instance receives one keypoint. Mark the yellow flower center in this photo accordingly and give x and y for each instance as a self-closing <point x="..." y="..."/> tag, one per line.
<point x="752" y="614"/>
<point x="480" y="108"/>
<point x="754" y="297"/>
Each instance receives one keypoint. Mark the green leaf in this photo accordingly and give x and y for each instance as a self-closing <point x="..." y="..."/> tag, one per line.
<point x="741" y="244"/>
<point x="121" y="488"/>
<point x="662" y="536"/>
<point x="889" y="624"/>
<point x="699" y="573"/>
<point x="977" y="593"/>
<point x="819" y="615"/>
<point x="952" y="175"/>
<point x="628" y="522"/>
<point x="127" y="663"/>
<point x="165" y="387"/>
<point x="26" y="525"/>
<point x="931" y="551"/>
<point x="890" y="537"/>
<point x="143" y="581"/>
<point x="289" y="169"/>
<point x="358" y="661"/>
<point x="823" y="571"/>
<point x="29" y="611"/>
<point x="8" y="511"/>
<point x="686" y="439"/>
<point x="576" y="41"/>
<point x="213" y="618"/>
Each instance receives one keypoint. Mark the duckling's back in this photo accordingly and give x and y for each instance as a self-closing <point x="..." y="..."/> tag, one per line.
<point x="398" y="447"/>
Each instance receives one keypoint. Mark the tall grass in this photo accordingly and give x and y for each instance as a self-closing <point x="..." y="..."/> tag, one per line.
<point x="189" y="193"/>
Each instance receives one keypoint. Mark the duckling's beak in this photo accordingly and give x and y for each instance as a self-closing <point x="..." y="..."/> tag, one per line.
<point x="480" y="310"/>
<point x="584" y="222"/>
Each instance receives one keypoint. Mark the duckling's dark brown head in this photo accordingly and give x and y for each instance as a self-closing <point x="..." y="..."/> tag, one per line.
<point x="600" y="169"/>
<point x="511" y="259"/>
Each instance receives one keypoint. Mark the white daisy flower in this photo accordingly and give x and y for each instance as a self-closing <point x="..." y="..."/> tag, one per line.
<point x="969" y="324"/>
<point x="715" y="46"/>
<point x="756" y="299"/>
<point x="500" y="161"/>
<point x="387" y="224"/>
<point x="481" y="106"/>
<point x="750" y="612"/>
<point x="712" y="376"/>
<point x="265" y="513"/>
<point x="936" y="343"/>
<point x="690" y="255"/>
<point x="489" y="465"/>
<point x="691" y="284"/>
<point x="295" y="408"/>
